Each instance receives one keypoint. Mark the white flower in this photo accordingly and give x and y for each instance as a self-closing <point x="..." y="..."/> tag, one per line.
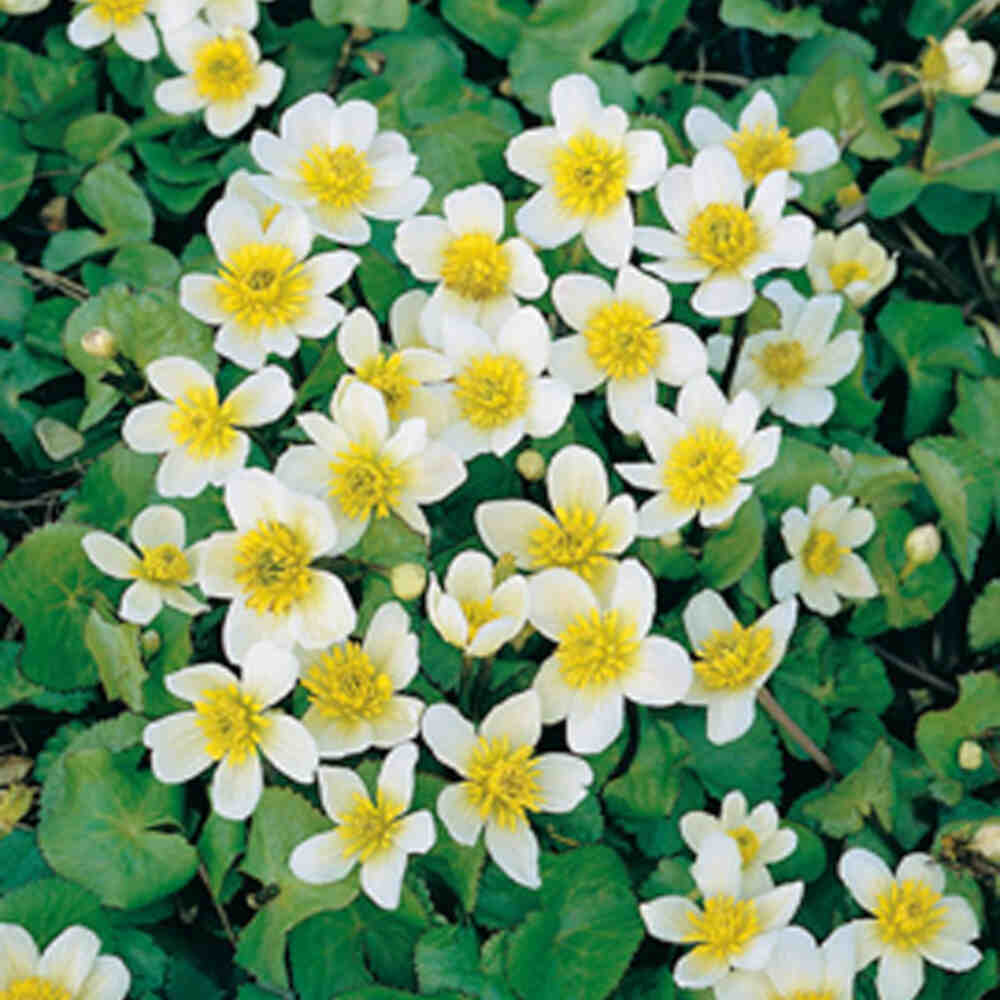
<point x="223" y="75"/>
<point x="352" y="687"/>
<point x="17" y="8"/>
<point x="622" y="340"/>
<point x="604" y="653"/>
<point x="731" y="929"/>
<point x="335" y="164"/>
<point x="70" y="968"/>
<point x="400" y="375"/>
<point x="160" y="573"/>
<point x="957" y="65"/>
<point x="232" y="724"/>
<point x="266" y="294"/>
<point x="264" y="568"/>
<point x="498" y="393"/>
<point x="820" y="541"/>
<point x="473" y="612"/>
<point x="756" y="833"/>
<point x="587" y="533"/>
<point x="733" y="662"/>
<point x="850" y="262"/>
<point x="479" y="277"/>
<point x="799" y="969"/>
<point x="239" y="184"/>
<point x="716" y="240"/>
<point x="760" y="145"/>
<point x="504" y="780"/>
<point x="127" y="21"/>
<point x="404" y="321"/>
<point x="586" y="162"/>
<point x="362" y="470"/>
<point x="198" y="433"/>
<point x="913" y="921"/>
<point x="375" y="834"/>
<point x="175" y="14"/>
<point x="701" y="456"/>
<point x="789" y="369"/>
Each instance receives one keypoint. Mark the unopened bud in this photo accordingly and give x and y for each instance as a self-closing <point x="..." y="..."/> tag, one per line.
<point x="633" y="440"/>
<point x="849" y="195"/>
<point x="361" y="33"/>
<point x="922" y="546"/>
<point x="531" y="465"/>
<point x="408" y="580"/>
<point x="987" y="841"/>
<point x="505" y="568"/>
<point x="150" y="642"/>
<point x="53" y="213"/>
<point x="970" y="755"/>
<point x="506" y="87"/>
<point x="99" y="343"/>
<point x="670" y="539"/>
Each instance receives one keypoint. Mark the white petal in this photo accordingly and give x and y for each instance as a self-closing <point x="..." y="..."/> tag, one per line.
<point x="557" y="597"/>
<point x="900" y="975"/>
<point x="647" y="158"/>
<point x="416" y="833"/>
<point x="530" y="153"/>
<point x="698" y="969"/>
<point x="478" y="208"/>
<point x="730" y="716"/>
<point x="705" y="128"/>
<point x="138" y="39"/>
<point x="290" y="747"/>
<point x="723" y="294"/>
<point x="562" y="780"/>
<point x="87" y="29"/>
<point x="815" y="149"/>
<point x="18" y="954"/>
<point x="594" y="723"/>
<point x="854" y="579"/>
<point x="459" y="815"/>
<point x="955" y="956"/>
<point x="515" y="852"/>
<point x="668" y="918"/>
<point x="382" y="877"/>
<point x="320" y="859"/>
<point x="262" y="398"/>
<point x="450" y="737"/>
<point x="555" y="695"/>
<point x="706" y="613"/>
<point x="236" y="787"/>
<point x="420" y="244"/>
<point x="339" y="788"/>
<point x="577" y="477"/>
<point x="147" y="428"/>
<point x="109" y="979"/>
<point x="395" y="780"/>
<point x="543" y="221"/>
<point x="328" y="614"/>
<point x="68" y="959"/>
<point x="141" y="603"/>
<point x="609" y="237"/>
<point x="866" y="876"/>
<point x="517" y="719"/>
<point x="110" y="555"/>
<point x="575" y="102"/>
<point x="662" y="674"/>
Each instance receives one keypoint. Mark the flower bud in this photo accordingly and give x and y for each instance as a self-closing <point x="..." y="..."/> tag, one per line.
<point x="99" y="343"/>
<point x="970" y="755"/>
<point x="505" y="568"/>
<point x="670" y="539"/>
<point x="150" y="642"/>
<point x="987" y="841"/>
<point x="408" y="580"/>
<point x="530" y="465"/>
<point x="922" y="546"/>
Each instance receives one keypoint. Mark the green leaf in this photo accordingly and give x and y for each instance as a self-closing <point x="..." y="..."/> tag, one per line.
<point x="369" y="13"/>
<point x="581" y="940"/>
<point x="984" y="619"/>
<point x="934" y="17"/>
<point x="649" y="28"/>
<point x="115" y="649"/>
<point x="97" y="828"/>
<point x="798" y="467"/>
<point x="220" y="843"/>
<point x="48" y="906"/>
<point x="952" y="211"/>
<point x="494" y="24"/>
<point x="48" y="583"/>
<point x="95" y="137"/>
<point x="145" y="264"/>
<point x="895" y="191"/>
<point x="868" y="789"/>
<point x="961" y="481"/>
<point x="806" y="862"/>
<point x="280" y="823"/>
<point x="800" y="22"/>
<point x="447" y="958"/>
<point x="972" y="717"/>
<point x="957" y="133"/>
<point x="649" y="788"/>
<point x="17" y="171"/>
<point x="14" y="686"/>
<point x="731" y="551"/>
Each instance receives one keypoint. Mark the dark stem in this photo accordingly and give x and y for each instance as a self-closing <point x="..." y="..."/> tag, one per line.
<point x="770" y="705"/>
<point x="227" y="927"/>
<point x="739" y="335"/>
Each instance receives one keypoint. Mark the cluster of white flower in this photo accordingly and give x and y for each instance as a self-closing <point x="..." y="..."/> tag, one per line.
<point x="471" y="370"/>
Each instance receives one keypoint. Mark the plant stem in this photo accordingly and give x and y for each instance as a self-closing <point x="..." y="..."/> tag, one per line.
<point x="898" y="97"/>
<point x="795" y="731"/>
<point x="914" y="671"/>
<point x="227" y="927"/>
<point x="739" y="335"/>
<point x="65" y="285"/>
<point x="987" y="149"/>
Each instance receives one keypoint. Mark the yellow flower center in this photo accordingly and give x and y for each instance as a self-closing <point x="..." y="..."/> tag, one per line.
<point x="747" y="841"/>
<point x="270" y="214"/>
<point x="590" y="174"/>
<point x="761" y="150"/>
<point x="263" y="285"/>
<point x="735" y="658"/>
<point x="388" y="376"/>
<point x="596" y="649"/>
<point x="703" y="468"/>
<point x="576" y="540"/>
<point x="477" y="614"/>
<point x="339" y="178"/>
<point x="475" y="267"/>
<point x="224" y="69"/>
<point x="908" y="915"/>
<point x="344" y="684"/>
<point x="725" y="928"/>
<point x="272" y="567"/>
<point x="811" y="995"/>
<point x="845" y="271"/>
<point x="118" y="12"/>
<point x="232" y="722"/>
<point x="370" y="827"/>
<point x="34" y="988"/>
<point x="724" y="236"/>
<point x="163" y="564"/>
<point x="622" y="340"/>
<point x="934" y="68"/>
<point x="200" y="424"/>
<point x="822" y="553"/>
<point x="362" y="480"/>
<point x="784" y="362"/>
<point x="502" y="783"/>
<point x="492" y="390"/>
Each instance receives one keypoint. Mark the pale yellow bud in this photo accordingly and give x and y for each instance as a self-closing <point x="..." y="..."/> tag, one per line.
<point x="670" y="539"/>
<point x="922" y="546"/>
<point x="987" y="841"/>
<point x="99" y="343"/>
<point x="150" y="642"/>
<point x="531" y="465"/>
<point x="849" y="195"/>
<point x="970" y="755"/>
<point x="408" y="580"/>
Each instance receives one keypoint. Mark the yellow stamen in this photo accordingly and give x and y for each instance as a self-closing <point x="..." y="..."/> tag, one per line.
<point x="596" y="649"/>
<point x="576" y="540"/>
<point x="363" y="480"/>
<point x="622" y="340"/>
<point x="909" y="914"/>
<point x="725" y="928"/>
<point x="704" y="467"/>
<point x="761" y="150"/>
<point x="732" y="659"/>
<point x="344" y="684"/>
<point x="477" y="614"/>
<point x="590" y="174"/>
<point x="370" y="827"/>
<point x="232" y="722"/>
<point x="845" y="271"/>
<point x="118" y="12"/>
<point x="747" y="841"/>
<point x="340" y="178"/>
<point x="272" y="567"/>
<point x="224" y="69"/>
<point x="163" y="564"/>
<point x="34" y="988"/>
<point x="492" y="390"/>
<point x="503" y="783"/>
<point x="201" y="424"/>
<point x="784" y="362"/>
<point x="475" y="267"/>
<point x="262" y="285"/>
<point x="822" y="554"/>
<point x="724" y="236"/>
<point x="388" y="375"/>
